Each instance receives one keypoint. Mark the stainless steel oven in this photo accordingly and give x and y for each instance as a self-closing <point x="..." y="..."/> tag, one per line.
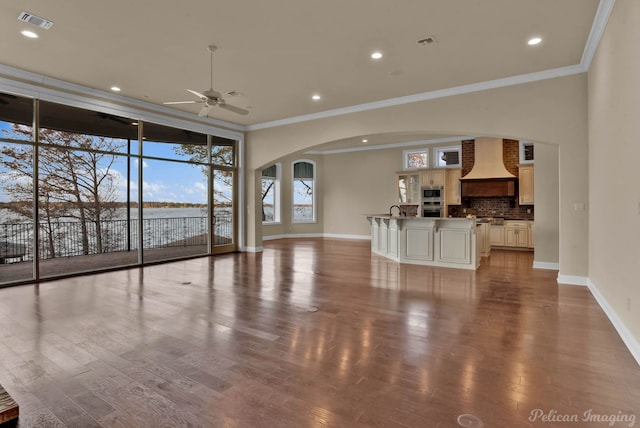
<point x="432" y="199"/>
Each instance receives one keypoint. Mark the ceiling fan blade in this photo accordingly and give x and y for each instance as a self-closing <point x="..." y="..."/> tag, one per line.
<point x="204" y="110"/>
<point x="234" y="109"/>
<point x="180" y="102"/>
<point x="198" y="94"/>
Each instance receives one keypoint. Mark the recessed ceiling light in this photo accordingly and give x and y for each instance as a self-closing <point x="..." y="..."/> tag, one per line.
<point x="29" y="34"/>
<point x="376" y="55"/>
<point x="115" y="89"/>
<point x="534" y="41"/>
<point x="365" y="141"/>
<point x="315" y="97"/>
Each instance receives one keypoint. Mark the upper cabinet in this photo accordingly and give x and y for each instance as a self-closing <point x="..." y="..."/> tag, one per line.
<point x="409" y="188"/>
<point x="525" y="185"/>
<point x="452" y="188"/>
<point x="433" y="177"/>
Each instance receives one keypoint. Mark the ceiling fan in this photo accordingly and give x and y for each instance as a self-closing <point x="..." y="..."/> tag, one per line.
<point x="210" y="97"/>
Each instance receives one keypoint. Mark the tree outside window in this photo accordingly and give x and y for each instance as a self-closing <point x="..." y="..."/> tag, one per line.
<point x="304" y="210"/>
<point x="271" y="194"/>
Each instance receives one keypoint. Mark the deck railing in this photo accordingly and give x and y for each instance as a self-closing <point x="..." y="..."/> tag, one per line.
<point x="69" y="238"/>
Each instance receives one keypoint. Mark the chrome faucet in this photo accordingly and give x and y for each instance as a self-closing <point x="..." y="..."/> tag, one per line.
<point x="391" y="209"/>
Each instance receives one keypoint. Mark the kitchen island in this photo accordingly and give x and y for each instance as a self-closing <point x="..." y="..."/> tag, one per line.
<point x="446" y="242"/>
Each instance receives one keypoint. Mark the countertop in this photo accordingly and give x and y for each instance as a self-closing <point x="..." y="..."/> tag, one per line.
<point x="418" y="218"/>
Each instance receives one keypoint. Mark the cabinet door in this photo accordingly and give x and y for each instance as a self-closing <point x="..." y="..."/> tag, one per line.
<point x="496" y="236"/>
<point x="522" y="237"/>
<point x="433" y="177"/>
<point x="439" y="177"/>
<point x="409" y="188"/>
<point x="510" y="237"/>
<point x="452" y="188"/>
<point x="531" y="235"/>
<point x="525" y="185"/>
<point x="426" y="178"/>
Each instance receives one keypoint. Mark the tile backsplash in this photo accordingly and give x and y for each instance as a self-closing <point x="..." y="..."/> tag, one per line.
<point x="493" y="207"/>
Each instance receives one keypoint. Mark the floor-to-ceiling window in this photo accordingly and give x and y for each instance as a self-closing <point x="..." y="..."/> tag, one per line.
<point x="175" y="207"/>
<point x="224" y="185"/>
<point x="111" y="191"/>
<point x="17" y="154"/>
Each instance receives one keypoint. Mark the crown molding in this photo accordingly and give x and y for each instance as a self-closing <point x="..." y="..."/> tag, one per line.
<point x="392" y="145"/>
<point x="426" y="96"/>
<point x="605" y="7"/>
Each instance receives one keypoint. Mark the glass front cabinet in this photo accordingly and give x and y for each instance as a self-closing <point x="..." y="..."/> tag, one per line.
<point x="409" y="188"/>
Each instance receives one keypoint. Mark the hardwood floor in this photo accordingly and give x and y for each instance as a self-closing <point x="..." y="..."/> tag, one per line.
<point x="314" y="333"/>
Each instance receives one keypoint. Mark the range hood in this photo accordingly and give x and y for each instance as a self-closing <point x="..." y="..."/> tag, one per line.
<point x="488" y="177"/>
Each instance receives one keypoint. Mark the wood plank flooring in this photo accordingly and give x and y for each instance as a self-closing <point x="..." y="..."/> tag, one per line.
<point x="313" y="333"/>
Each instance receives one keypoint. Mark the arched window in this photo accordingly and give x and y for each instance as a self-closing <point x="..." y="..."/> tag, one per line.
<point x="304" y="195"/>
<point x="271" y="194"/>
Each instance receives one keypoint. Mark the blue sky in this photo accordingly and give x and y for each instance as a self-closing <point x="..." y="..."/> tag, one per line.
<point x="163" y="180"/>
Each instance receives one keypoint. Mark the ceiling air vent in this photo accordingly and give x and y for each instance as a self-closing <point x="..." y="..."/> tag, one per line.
<point x="427" y="40"/>
<point x="35" y="20"/>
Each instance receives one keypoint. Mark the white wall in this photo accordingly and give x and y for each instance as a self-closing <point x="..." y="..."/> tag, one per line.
<point x="614" y="186"/>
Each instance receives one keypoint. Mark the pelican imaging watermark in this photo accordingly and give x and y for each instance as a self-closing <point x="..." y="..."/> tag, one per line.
<point x="611" y="419"/>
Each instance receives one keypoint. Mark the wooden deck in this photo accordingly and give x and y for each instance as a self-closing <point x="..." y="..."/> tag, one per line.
<point x="22" y="271"/>
<point x="313" y="333"/>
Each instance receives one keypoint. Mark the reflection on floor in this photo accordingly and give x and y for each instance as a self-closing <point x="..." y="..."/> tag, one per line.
<point x="313" y="333"/>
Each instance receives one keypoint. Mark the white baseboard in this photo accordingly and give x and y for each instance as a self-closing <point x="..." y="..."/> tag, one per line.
<point x="572" y="280"/>
<point x="632" y="343"/>
<point x="292" y="235"/>
<point x="546" y="265"/>
<point x="342" y="236"/>
<point x="252" y="249"/>
<point x="315" y="235"/>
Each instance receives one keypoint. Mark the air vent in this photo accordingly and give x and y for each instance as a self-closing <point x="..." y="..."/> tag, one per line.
<point x="35" y="20"/>
<point x="427" y="40"/>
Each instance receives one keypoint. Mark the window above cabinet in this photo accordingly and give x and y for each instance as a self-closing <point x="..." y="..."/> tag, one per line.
<point x="526" y="151"/>
<point x="415" y="159"/>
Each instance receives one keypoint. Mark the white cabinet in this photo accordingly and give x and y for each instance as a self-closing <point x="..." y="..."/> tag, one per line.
<point x="455" y="245"/>
<point x="516" y="234"/>
<point x="452" y="187"/>
<point x="525" y="185"/>
<point x="433" y="177"/>
<point x="483" y="233"/>
<point x="496" y="235"/>
<point x="409" y="188"/>
<point x="418" y="242"/>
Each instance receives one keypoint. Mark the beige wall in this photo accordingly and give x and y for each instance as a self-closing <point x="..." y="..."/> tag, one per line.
<point x="614" y="127"/>
<point x="547" y="204"/>
<point x="552" y="111"/>
<point x="359" y="183"/>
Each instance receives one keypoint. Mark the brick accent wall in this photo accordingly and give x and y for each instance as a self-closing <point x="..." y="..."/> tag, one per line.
<point x="511" y="155"/>
<point x="493" y="207"/>
<point x="468" y="156"/>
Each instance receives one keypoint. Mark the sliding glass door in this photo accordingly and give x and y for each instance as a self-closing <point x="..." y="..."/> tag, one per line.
<point x="83" y="191"/>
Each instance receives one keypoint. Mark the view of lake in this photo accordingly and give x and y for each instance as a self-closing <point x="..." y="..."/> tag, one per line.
<point x="161" y="227"/>
<point x="121" y="214"/>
